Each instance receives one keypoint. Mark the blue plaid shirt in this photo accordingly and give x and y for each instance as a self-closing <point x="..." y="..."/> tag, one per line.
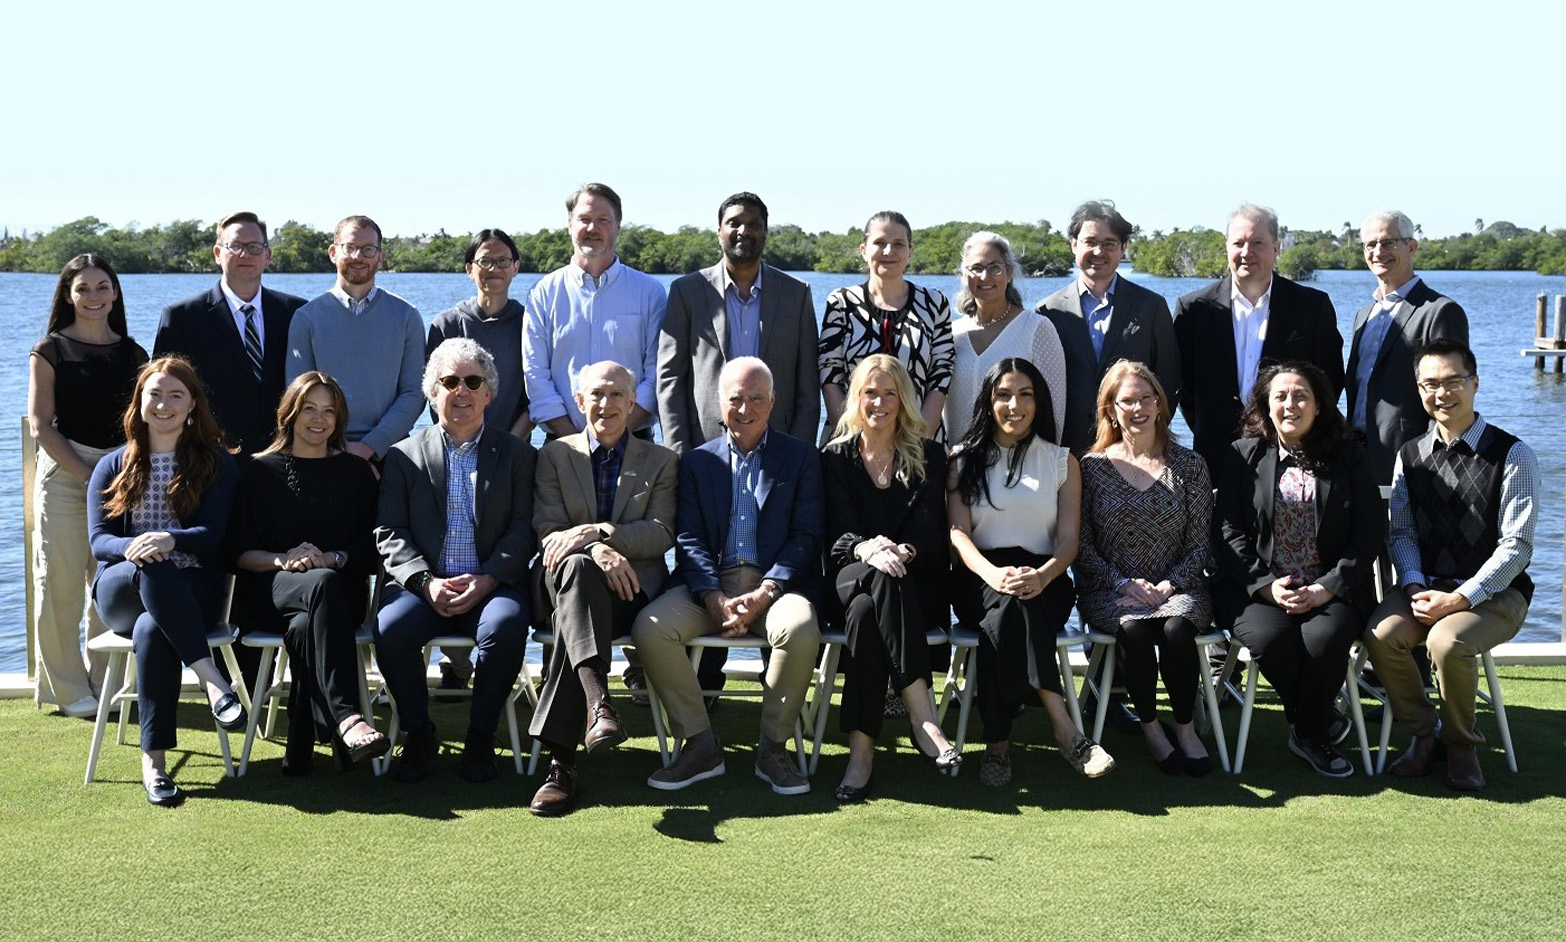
<point x="744" y="477"/>
<point x="459" y="550"/>
<point x="606" y="473"/>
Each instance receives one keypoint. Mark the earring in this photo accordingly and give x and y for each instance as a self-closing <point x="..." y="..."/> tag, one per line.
<point x="190" y="420"/>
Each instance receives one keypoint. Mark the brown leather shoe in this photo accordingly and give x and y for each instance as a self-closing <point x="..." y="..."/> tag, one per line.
<point x="557" y="796"/>
<point x="1417" y="760"/>
<point x="606" y="731"/>
<point x="1462" y="768"/>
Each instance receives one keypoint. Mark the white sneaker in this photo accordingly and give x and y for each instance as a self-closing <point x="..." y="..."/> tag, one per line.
<point x="85" y="707"/>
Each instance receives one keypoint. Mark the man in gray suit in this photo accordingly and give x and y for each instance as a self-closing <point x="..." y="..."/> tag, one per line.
<point x="455" y="532"/>
<point x="738" y="307"/>
<point x="1101" y="319"/>
<point x="1403" y="315"/>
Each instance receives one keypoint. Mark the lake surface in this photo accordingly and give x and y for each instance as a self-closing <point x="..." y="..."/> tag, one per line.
<point x="1500" y="308"/>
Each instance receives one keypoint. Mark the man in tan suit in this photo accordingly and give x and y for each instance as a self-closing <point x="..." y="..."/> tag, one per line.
<point x="605" y="504"/>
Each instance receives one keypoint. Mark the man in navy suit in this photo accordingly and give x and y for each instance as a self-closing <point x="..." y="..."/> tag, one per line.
<point x="749" y="527"/>
<point x="236" y="334"/>
<point x="1102" y="318"/>
<point x="1249" y="316"/>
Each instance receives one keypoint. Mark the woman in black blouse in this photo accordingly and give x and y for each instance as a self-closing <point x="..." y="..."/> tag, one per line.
<point x="80" y="378"/>
<point x="1298" y="525"/>
<point x="886" y="553"/>
<point x="301" y="538"/>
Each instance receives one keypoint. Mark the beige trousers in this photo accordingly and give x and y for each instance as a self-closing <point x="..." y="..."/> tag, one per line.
<point x="62" y="570"/>
<point x="1454" y="642"/>
<point x="673" y="619"/>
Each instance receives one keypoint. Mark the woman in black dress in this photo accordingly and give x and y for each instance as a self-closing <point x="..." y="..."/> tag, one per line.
<point x="887" y="555"/>
<point x="302" y="541"/>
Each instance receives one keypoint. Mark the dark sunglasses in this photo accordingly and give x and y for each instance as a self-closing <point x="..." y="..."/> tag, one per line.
<point x="452" y="382"/>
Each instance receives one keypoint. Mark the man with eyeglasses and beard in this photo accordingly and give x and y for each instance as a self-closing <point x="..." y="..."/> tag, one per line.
<point x="368" y="339"/>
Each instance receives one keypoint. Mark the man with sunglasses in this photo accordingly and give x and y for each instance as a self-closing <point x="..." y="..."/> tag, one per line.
<point x="236" y="334"/>
<point x="455" y="532"/>
<point x="1403" y="315"/>
<point x="369" y="340"/>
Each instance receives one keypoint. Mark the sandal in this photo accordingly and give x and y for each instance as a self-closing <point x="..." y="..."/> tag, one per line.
<point x="365" y="746"/>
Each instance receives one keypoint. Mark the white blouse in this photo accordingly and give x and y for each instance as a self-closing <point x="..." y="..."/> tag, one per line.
<point x="1023" y="514"/>
<point x="1030" y="336"/>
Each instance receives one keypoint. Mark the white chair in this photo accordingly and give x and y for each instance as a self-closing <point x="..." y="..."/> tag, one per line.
<point x="524" y="680"/>
<point x="1240" y="654"/>
<point x="819" y="704"/>
<point x="119" y="684"/>
<point x="670" y="749"/>
<point x="547" y="640"/>
<point x="1493" y="697"/>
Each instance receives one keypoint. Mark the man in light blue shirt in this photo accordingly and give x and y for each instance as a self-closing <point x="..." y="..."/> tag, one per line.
<point x="593" y="309"/>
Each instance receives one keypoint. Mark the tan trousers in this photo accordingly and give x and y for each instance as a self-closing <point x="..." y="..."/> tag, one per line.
<point x="673" y="619"/>
<point x="62" y="570"/>
<point x="1454" y="642"/>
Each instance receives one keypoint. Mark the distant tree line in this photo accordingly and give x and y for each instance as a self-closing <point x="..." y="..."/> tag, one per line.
<point x="185" y="246"/>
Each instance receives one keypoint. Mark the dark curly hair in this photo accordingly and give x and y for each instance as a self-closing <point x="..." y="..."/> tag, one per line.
<point x="1320" y="444"/>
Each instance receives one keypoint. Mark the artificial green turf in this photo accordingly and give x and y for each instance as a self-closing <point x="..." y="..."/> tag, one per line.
<point x="1277" y="853"/>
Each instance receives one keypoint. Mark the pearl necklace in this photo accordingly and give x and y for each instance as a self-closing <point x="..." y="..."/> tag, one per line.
<point x="1010" y="310"/>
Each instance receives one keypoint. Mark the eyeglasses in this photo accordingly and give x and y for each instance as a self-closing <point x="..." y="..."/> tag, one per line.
<point x="452" y="382"/>
<point x="1146" y="402"/>
<point x="358" y="251"/>
<point x="243" y="248"/>
<point x="1110" y="246"/>
<point x="993" y="269"/>
<point x="1382" y="244"/>
<point x="1451" y="384"/>
<point x="495" y="264"/>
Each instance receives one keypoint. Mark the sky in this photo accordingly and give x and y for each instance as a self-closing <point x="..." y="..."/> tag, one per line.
<point x="464" y="116"/>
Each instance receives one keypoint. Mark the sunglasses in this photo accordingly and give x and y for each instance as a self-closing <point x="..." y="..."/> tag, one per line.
<point x="452" y="382"/>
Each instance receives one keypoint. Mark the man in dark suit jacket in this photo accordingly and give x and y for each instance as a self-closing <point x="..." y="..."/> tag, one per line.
<point x="605" y="518"/>
<point x="1250" y="316"/>
<point x="749" y="530"/>
<point x="738" y="307"/>
<point x="455" y="533"/>
<point x="209" y="329"/>
<point x="1101" y="319"/>
<point x="1404" y="315"/>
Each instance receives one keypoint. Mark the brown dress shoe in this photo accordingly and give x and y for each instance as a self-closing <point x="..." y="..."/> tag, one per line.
<point x="557" y="795"/>
<point x="1417" y="760"/>
<point x="606" y="731"/>
<point x="1462" y="768"/>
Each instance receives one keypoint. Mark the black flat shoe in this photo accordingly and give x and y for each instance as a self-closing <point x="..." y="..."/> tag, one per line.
<point x="1198" y="766"/>
<point x="1174" y="762"/>
<point x="230" y="713"/>
<point x="162" y="791"/>
<point x="849" y="795"/>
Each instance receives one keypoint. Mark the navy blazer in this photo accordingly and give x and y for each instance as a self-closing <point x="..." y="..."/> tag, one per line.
<point x="200" y="536"/>
<point x="790" y="499"/>
<point x="1301" y="325"/>
<point x="201" y="328"/>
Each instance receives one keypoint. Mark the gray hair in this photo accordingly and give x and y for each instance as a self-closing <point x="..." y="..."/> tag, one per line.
<point x="609" y="368"/>
<point x="1402" y="227"/>
<point x="454" y="351"/>
<point x="966" y="303"/>
<point x="1255" y="213"/>
<point x="734" y="368"/>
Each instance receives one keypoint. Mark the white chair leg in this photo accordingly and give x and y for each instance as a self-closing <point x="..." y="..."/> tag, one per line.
<point x="1068" y="686"/>
<point x="111" y="692"/>
<point x="823" y="702"/>
<point x="660" y="727"/>
<point x="1245" y="717"/>
<point x="1385" y="742"/>
<point x="263" y="689"/>
<point x="272" y="700"/>
<point x="1214" y="719"/>
<point x="1357" y="714"/>
<point x="1108" y="685"/>
<point x="127" y="696"/>
<point x="970" y="667"/>
<point x="1498" y="704"/>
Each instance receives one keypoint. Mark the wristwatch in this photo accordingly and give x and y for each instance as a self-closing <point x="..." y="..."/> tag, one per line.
<point x="338" y="559"/>
<point x="774" y="592"/>
<point x="418" y="581"/>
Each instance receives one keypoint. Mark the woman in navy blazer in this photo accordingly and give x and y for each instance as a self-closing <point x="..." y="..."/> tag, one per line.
<point x="1297" y="530"/>
<point x="156" y="511"/>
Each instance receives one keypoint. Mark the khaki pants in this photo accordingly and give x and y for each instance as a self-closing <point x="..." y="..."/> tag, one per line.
<point x="1454" y="642"/>
<point x="63" y="568"/>
<point x="673" y="619"/>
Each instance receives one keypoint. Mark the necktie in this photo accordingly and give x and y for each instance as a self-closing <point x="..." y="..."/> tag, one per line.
<point x="252" y="340"/>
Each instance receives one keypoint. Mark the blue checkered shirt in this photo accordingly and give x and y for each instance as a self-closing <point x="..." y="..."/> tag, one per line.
<point x="459" y="549"/>
<point x="744" y="478"/>
<point x="606" y="474"/>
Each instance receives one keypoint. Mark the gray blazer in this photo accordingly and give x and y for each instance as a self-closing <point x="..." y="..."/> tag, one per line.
<point x="1140" y="329"/>
<point x="644" y="501"/>
<point x="694" y="345"/>
<point x="1394" y="413"/>
<point x="411" y="521"/>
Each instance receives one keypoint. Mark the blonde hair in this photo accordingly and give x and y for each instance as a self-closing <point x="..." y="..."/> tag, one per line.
<point x="1109" y="431"/>
<point x="908" y="442"/>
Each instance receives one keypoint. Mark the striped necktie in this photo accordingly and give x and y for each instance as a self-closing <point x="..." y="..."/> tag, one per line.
<point x="252" y="340"/>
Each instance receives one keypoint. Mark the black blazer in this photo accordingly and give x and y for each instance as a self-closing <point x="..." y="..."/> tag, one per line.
<point x="1394" y="413"/>
<point x="1140" y="329"/>
<point x="1350" y="526"/>
<point x="202" y="329"/>
<point x="1301" y="325"/>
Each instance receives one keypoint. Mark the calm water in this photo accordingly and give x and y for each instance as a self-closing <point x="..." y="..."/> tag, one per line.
<point x="1500" y="307"/>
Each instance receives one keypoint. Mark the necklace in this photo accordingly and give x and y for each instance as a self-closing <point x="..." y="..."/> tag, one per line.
<point x="883" y="472"/>
<point x="1010" y="309"/>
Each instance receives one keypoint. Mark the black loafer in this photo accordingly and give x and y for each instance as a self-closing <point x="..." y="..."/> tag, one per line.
<point x="230" y="713"/>
<point x="850" y="795"/>
<point x="162" y="791"/>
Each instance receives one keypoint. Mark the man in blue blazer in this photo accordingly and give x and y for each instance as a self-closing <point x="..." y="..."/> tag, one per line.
<point x="749" y="528"/>
<point x="243" y="374"/>
<point x="1102" y="318"/>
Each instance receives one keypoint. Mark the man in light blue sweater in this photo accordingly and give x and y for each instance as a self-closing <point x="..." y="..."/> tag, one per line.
<point x="368" y="339"/>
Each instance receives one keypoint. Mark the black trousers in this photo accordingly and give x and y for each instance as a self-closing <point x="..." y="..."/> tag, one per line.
<point x="1148" y="644"/>
<point x="885" y="623"/>
<point x="319" y="617"/>
<point x="1016" y="639"/>
<point x="1304" y="657"/>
